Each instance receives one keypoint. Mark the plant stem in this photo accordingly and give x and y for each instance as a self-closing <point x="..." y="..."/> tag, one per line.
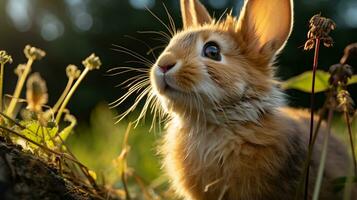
<point x="63" y="95"/>
<point x="312" y="107"/>
<point x="125" y="148"/>
<point x="18" y="89"/>
<point x="351" y="142"/>
<point x="321" y="169"/>
<point x="1" y="85"/>
<point x="69" y="95"/>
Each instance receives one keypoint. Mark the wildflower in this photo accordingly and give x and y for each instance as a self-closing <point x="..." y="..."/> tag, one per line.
<point x="31" y="54"/>
<point x="92" y="62"/>
<point x="36" y="93"/>
<point x="320" y="28"/>
<point x="5" y="58"/>
<point x="19" y="70"/>
<point x="34" y="53"/>
<point x="72" y="71"/>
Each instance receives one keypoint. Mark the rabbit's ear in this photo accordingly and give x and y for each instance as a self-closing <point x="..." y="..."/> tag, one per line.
<point x="267" y="24"/>
<point x="194" y="13"/>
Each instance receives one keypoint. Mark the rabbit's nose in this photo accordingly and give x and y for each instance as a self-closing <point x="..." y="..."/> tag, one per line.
<point x="166" y="68"/>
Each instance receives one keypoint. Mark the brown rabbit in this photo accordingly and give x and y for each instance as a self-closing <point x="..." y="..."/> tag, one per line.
<point x="229" y="136"/>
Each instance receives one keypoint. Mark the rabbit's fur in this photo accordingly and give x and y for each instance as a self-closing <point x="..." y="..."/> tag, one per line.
<point x="229" y="136"/>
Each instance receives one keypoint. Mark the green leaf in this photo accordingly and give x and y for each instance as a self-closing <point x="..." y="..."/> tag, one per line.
<point x="38" y="133"/>
<point x="303" y="82"/>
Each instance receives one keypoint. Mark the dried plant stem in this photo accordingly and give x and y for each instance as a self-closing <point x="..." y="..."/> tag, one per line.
<point x="145" y="191"/>
<point x="351" y="142"/>
<point x="18" y="89"/>
<point x="318" y="125"/>
<point x="312" y="107"/>
<point x="125" y="149"/>
<point x="1" y="85"/>
<point x="70" y="93"/>
<point x="321" y="169"/>
<point x="42" y="146"/>
<point x="63" y="95"/>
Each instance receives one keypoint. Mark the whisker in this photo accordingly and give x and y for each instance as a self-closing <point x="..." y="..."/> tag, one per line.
<point x="167" y="27"/>
<point x="144" y="43"/>
<point x="135" y="88"/>
<point x="133" y="107"/>
<point x="161" y="33"/>
<point x="131" y="53"/>
<point x="128" y="53"/>
<point x="157" y="47"/>
<point x="172" y="22"/>
<point x="112" y="73"/>
<point x="139" y="62"/>
<point x="133" y="79"/>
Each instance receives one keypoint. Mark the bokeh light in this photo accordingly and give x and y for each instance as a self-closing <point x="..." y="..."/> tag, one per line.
<point x="19" y="12"/>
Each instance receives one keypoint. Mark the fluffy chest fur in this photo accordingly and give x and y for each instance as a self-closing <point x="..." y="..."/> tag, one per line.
<point x="234" y="161"/>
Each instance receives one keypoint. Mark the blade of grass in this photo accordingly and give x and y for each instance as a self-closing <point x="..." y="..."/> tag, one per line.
<point x="321" y="168"/>
<point x="351" y="142"/>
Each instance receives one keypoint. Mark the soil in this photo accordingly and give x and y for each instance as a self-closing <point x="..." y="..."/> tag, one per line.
<point x="24" y="176"/>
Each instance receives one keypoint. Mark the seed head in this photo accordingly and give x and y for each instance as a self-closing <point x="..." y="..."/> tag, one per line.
<point x="340" y="73"/>
<point x="72" y="71"/>
<point x="5" y="58"/>
<point x="320" y="28"/>
<point x="92" y="62"/>
<point x="34" y="53"/>
<point x="19" y="70"/>
<point x="36" y="93"/>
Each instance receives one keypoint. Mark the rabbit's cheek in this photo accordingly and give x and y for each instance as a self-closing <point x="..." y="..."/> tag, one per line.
<point x="188" y="77"/>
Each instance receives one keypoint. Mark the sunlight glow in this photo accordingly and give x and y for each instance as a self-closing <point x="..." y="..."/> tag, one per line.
<point x="142" y="4"/>
<point x="51" y="27"/>
<point x="350" y="15"/>
<point x="19" y="12"/>
<point x="80" y="16"/>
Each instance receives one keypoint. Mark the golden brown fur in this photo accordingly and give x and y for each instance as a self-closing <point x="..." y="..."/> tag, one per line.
<point x="229" y="136"/>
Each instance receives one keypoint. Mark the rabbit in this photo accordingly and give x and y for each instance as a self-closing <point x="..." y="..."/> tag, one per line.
<point x="230" y="135"/>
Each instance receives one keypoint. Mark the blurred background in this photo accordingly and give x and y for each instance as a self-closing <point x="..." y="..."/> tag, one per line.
<point x="70" y="30"/>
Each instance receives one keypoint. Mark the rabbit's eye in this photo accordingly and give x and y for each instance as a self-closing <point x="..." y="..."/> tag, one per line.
<point x="211" y="50"/>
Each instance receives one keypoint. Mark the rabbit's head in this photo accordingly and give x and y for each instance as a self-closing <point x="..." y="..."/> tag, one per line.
<point x="210" y="63"/>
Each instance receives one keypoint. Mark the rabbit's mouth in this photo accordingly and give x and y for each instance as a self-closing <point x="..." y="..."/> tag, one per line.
<point x="169" y="84"/>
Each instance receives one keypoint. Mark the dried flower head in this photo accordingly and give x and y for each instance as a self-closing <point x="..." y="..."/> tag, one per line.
<point x="92" y="62"/>
<point x="5" y="58"/>
<point x="19" y="70"/>
<point x="34" y="53"/>
<point x="320" y="28"/>
<point x="340" y="73"/>
<point x="345" y="102"/>
<point x="350" y="53"/>
<point x="72" y="71"/>
<point x="36" y="93"/>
